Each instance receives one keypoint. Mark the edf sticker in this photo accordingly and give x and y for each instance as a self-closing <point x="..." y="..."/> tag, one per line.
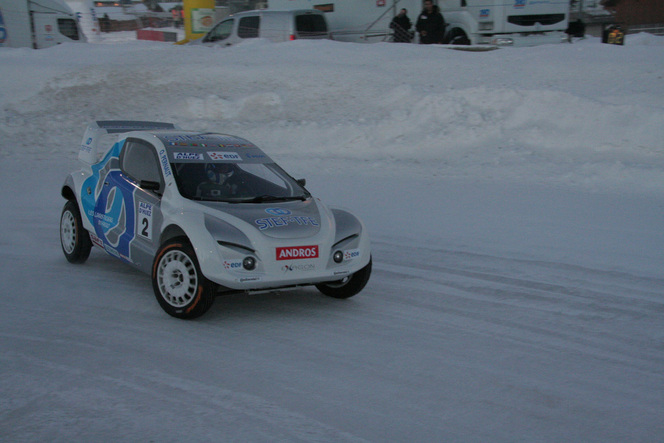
<point x="234" y="156"/>
<point x="144" y="220"/>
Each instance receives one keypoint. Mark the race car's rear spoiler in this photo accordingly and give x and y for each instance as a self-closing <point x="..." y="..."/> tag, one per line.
<point x="87" y="153"/>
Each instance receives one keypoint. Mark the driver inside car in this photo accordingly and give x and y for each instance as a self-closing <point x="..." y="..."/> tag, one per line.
<point x="218" y="184"/>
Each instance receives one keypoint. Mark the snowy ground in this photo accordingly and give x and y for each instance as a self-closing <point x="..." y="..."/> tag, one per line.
<point x="515" y="200"/>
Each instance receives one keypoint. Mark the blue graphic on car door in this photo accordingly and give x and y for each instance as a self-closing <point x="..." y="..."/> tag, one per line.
<point x="108" y="203"/>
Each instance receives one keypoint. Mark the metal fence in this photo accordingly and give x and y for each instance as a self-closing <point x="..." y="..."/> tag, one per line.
<point x="656" y="29"/>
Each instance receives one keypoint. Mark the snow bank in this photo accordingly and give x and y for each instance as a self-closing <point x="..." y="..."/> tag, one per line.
<point x="585" y="114"/>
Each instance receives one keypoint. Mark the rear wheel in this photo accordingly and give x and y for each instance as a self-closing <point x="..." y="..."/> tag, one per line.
<point x="179" y="286"/>
<point x="74" y="238"/>
<point x="348" y="286"/>
<point x="458" y="37"/>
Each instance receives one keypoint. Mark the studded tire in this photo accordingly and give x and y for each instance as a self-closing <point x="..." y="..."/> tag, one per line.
<point x="349" y="286"/>
<point x="74" y="238"/>
<point x="179" y="285"/>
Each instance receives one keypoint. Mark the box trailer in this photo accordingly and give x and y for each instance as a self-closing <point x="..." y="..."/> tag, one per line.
<point x="37" y="24"/>
<point x="486" y="22"/>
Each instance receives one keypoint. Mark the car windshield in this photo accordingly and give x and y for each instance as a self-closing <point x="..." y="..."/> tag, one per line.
<point x="236" y="183"/>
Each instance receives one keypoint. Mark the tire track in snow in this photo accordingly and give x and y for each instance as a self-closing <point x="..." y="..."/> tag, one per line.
<point x="604" y="314"/>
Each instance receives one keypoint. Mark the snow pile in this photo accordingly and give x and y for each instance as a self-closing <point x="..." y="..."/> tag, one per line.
<point x="564" y="114"/>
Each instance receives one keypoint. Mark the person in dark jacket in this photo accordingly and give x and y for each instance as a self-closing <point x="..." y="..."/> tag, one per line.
<point x="430" y="24"/>
<point x="401" y="25"/>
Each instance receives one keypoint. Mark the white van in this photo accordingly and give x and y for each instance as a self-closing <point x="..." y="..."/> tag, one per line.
<point x="276" y="26"/>
<point x="37" y="24"/>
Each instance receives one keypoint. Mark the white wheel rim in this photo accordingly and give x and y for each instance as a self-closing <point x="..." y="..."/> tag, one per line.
<point x="177" y="278"/>
<point x="68" y="232"/>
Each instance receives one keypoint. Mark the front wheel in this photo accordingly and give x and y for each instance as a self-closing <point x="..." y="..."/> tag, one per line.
<point x="459" y="37"/>
<point x="348" y="286"/>
<point x="74" y="238"/>
<point x="179" y="286"/>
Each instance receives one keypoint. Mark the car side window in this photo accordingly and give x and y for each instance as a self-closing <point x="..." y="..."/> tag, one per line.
<point x="248" y="27"/>
<point x="139" y="161"/>
<point x="222" y="31"/>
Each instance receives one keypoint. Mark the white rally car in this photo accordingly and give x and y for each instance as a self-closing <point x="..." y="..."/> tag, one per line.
<point x="205" y="214"/>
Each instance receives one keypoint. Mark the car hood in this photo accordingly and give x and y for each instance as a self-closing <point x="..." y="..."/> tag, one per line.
<point x="297" y="219"/>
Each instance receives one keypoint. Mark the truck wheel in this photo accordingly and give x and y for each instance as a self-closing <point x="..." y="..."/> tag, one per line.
<point x="75" y="239"/>
<point x="180" y="287"/>
<point x="458" y="37"/>
<point x="348" y="286"/>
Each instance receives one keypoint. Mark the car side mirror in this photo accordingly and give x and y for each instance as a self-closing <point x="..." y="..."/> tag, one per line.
<point x="150" y="185"/>
<point x="302" y="182"/>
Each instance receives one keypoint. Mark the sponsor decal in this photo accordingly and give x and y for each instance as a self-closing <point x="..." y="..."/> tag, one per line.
<point x="232" y="264"/>
<point x="256" y="155"/>
<point x="183" y="138"/>
<point x="484" y="13"/>
<point x="87" y="146"/>
<point x="96" y="240"/>
<point x="164" y="163"/>
<point x="275" y="222"/>
<point x="144" y="220"/>
<point x="283" y="217"/>
<point x="278" y="211"/>
<point x="234" y="156"/>
<point x="102" y="219"/>
<point x="520" y="3"/>
<point x="188" y="156"/>
<point x="298" y="268"/>
<point x="297" y="252"/>
<point x="351" y="254"/>
<point x="247" y="279"/>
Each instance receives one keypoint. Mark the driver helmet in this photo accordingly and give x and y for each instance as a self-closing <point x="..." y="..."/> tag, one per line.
<point x="219" y="172"/>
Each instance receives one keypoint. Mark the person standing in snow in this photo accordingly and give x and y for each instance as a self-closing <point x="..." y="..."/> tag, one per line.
<point x="430" y="24"/>
<point x="401" y="25"/>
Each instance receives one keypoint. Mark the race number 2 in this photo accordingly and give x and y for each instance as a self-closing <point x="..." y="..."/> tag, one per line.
<point x="144" y="219"/>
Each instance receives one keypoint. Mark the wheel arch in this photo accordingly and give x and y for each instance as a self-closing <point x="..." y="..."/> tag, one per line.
<point x="456" y="31"/>
<point x="67" y="190"/>
<point x="171" y="232"/>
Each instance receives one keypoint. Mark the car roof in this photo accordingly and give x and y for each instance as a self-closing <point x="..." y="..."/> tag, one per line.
<point x="203" y="139"/>
<point x="206" y="146"/>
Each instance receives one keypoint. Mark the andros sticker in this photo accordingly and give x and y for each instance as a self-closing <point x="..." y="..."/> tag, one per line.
<point x="234" y="156"/>
<point x="297" y="252"/>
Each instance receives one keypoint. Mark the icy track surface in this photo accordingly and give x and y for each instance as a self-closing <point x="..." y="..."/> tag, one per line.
<point x="515" y="201"/>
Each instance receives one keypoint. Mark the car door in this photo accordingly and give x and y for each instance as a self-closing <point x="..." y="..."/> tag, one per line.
<point x="222" y="33"/>
<point x="127" y="210"/>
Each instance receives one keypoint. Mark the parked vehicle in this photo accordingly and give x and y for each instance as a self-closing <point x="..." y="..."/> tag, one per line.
<point x="491" y="22"/>
<point x="206" y="214"/>
<point x="276" y="26"/>
<point x="37" y="24"/>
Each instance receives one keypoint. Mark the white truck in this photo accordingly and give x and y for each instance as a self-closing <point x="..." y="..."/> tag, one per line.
<point x="483" y="22"/>
<point x="37" y="24"/>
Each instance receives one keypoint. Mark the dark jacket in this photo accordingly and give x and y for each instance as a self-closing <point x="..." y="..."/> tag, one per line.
<point x="431" y="26"/>
<point x="401" y="25"/>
